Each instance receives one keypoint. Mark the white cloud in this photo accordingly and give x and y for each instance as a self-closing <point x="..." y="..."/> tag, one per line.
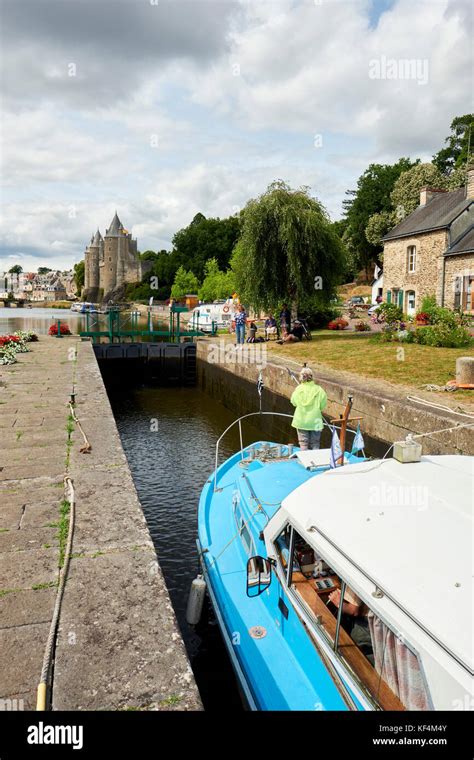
<point x="302" y="69"/>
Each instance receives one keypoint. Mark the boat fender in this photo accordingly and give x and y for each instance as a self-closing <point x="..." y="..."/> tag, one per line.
<point x="196" y="600"/>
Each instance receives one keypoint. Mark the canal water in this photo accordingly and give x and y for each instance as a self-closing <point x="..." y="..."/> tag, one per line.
<point x="169" y="437"/>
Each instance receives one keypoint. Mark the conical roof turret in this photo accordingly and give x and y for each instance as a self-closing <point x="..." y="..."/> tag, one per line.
<point x="97" y="238"/>
<point x="115" y="226"/>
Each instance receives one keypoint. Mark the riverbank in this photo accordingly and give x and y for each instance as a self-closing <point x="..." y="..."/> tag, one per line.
<point x="388" y="411"/>
<point x="118" y="645"/>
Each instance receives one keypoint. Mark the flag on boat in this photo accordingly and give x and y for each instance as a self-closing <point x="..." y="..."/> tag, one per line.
<point x="358" y="444"/>
<point x="336" y="451"/>
<point x="260" y="385"/>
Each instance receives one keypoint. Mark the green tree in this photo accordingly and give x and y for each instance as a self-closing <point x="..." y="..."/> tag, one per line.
<point x="44" y="270"/>
<point x="287" y="249"/>
<point x="184" y="284"/>
<point x="405" y="196"/>
<point x="372" y="196"/>
<point x="216" y="284"/>
<point x="378" y="226"/>
<point x="205" y="239"/>
<point x="459" y="148"/>
<point x="79" y="275"/>
<point x="16" y="269"/>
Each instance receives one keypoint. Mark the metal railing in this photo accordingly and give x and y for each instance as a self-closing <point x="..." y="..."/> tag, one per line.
<point x="257" y="414"/>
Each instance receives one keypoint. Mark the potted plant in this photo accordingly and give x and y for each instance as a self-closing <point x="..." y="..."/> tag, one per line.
<point x="422" y="318"/>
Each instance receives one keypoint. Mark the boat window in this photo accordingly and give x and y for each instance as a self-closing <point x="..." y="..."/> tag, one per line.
<point x="386" y="668"/>
<point x="242" y="527"/>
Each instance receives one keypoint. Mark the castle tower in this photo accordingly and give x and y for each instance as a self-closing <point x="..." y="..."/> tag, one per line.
<point x="108" y="278"/>
<point x="111" y="262"/>
<point x="94" y="260"/>
<point x="91" y="268"/>
<point x="87" y="275"/>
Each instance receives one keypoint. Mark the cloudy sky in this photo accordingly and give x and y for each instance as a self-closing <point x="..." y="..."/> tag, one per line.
<point x="163" y="108"/>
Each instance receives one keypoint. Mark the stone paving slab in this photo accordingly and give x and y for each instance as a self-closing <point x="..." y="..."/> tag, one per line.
<point x="32" y="567"/>
<point x="27" y="607"/>
<point x="141" y="672"/>
<point x="118" y="643"/>
<point x="22" y="652"/>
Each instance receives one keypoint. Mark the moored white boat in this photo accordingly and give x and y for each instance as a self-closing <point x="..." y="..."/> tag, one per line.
<point x="279" y="533"/>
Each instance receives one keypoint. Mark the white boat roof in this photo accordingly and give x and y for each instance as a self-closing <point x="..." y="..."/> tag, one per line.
<point x="409" y="528"/>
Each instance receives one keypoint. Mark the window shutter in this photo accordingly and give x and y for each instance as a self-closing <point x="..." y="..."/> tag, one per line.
<point x="389" y="296"/>
<point x="457" y="292"/>
<point x="400" y="298"/>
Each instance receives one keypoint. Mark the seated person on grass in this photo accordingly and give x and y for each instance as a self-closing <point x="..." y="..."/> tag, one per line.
<point x="270" y="326"/>
<point x="295" y="335"/>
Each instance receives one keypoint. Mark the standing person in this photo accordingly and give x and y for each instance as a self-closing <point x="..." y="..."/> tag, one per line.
<point x="240" y="319"/>
<point x="309" y="400"/>
<point x="285" y="319"/>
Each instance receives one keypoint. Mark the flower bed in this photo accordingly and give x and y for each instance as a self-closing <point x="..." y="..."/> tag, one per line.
<point x="16" y="343"/>
<point x="338" y="324"/>
<point x="64" y="329"/>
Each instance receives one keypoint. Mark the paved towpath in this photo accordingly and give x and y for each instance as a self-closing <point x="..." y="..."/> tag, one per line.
<point x="118" y="644"/>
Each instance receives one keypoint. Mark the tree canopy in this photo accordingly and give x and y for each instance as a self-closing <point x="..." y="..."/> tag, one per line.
<point x="79" y="275"/>
<point x="216" y="284"/>
<point x="205" y="239"/>
<point x="459" y="145"/>
<point x="287" y="250"/>
<point x="372" y="196"/>
<point x="184" y="283"/>
<point x="15" y="269"/>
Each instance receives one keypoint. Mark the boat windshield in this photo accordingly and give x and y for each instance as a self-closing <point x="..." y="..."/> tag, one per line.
<point x="386" y="668"/>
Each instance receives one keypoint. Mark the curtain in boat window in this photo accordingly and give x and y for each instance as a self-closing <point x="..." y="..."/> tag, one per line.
<point x="398" y="666"/>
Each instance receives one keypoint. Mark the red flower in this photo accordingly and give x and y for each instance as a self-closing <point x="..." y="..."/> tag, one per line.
<point x="64" y="328"/>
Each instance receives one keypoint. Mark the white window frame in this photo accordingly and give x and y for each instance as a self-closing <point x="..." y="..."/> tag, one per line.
<point x="411" y="259"/>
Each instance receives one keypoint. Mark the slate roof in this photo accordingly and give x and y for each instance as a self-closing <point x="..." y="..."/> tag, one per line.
<point x="438" y="213"/>
<point x="115" y="226"/>
<point x="97" y="238"/>
<point x="464" y="245"/>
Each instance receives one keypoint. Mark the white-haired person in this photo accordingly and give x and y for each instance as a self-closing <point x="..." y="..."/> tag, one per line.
<point x="310" y="400"/>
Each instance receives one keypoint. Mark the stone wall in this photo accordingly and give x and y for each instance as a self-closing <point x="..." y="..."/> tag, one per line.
<point x="426" y="280"/>
<point x="387" y="414"/>
<point x="456" y="266"/>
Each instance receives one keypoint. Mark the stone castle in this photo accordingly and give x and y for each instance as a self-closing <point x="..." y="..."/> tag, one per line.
<point x="110" y="262"/>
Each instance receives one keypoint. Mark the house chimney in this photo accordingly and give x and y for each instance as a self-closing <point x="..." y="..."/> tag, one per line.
<point x="427" y="193"/>
<point x="470" y="182"/>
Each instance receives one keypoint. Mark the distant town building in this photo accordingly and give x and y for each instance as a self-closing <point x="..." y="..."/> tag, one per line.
<point x="110" y="261"/>
<point x="31" y="286"/>
<point x="431" y="251"/>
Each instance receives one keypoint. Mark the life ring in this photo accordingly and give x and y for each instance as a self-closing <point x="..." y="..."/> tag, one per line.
<point x="225" y="309"/>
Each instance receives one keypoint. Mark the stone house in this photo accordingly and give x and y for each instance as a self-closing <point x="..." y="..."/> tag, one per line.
<point x="431" y="251"/>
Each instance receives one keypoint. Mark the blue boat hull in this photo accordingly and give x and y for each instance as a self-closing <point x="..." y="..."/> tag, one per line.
<point x="276" y="662"/>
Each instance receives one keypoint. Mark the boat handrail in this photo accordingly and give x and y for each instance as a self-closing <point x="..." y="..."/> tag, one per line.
<point x="256" y="414"/>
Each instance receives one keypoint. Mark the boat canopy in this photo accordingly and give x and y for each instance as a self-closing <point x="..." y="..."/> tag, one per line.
<point x="408" y="528"/>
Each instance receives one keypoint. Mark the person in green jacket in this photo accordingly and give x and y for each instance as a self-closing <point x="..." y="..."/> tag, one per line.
<point x="309" y="400"/>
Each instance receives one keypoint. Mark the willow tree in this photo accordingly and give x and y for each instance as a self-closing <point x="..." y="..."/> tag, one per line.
<point x="287" y="251"/>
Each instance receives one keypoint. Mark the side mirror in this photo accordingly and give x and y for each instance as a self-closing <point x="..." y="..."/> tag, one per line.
<point x="259" y="575"/>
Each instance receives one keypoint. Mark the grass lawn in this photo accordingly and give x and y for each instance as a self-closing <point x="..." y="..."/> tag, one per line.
<point x="415" y="366"/>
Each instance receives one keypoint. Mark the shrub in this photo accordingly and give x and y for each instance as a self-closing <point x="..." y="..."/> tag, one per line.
<point x="64" y="329"/>
<point x="362" y="326"/>
<point x="443" y="335"/>
<point x="390" y="312"/>
<point x="338" y="324"/>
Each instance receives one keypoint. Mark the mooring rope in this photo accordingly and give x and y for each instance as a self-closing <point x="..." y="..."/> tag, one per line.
<point x="48" y="653"/>
<point x="440" y="407"/>
<point x="87" y="447"/>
